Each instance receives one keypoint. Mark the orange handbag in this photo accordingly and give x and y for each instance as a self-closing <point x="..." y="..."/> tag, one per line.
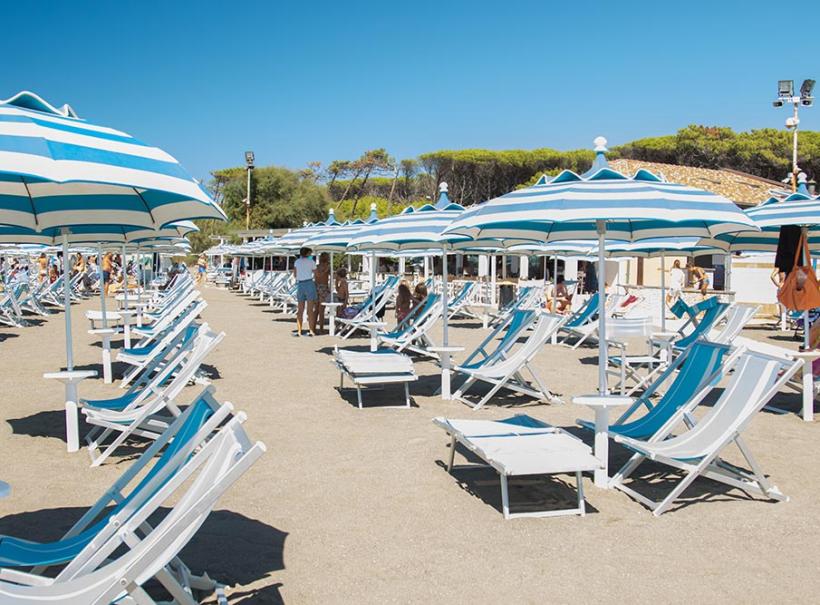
<point x="800" y="291"/>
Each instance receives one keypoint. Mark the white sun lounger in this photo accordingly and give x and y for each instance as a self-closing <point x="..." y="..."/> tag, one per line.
<point x="378" y="367"/>
<point x="520" y="446"/>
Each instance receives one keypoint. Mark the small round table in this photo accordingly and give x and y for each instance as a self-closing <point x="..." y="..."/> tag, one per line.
<point x="444" y="356"/>
<point x="106" y="334"/>
<point x="373" y="326"/>
<point x="71" y="380"/>
<point x="331" y="311"/>
<point x="602" y="404"/>
<point x="127" y="316"/>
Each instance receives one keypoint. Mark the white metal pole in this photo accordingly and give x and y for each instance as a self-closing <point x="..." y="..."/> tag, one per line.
<point x="727" y="273"/>
<point x="602" y="346"/>
<point x="125" y="277"/>
<point x="102" y="286"/>
<point x="69" y="344"/>
<point x="663" y="292"/>
<point x="445" y="355"/>
<point x="493" y="275"/>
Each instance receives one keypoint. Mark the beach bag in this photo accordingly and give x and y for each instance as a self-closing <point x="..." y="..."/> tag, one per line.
<point x="800" y="291"/>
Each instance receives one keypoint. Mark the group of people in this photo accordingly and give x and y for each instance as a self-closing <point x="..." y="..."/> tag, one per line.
<point x="313" y="289"/>
<point x="678" y="280"/>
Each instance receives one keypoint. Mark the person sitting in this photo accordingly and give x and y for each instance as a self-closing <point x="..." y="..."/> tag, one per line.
<point x="420" y="292"/>
<point x="343" y="295"/>
<point x="561" y="299"/>
<point x="404" y="302"/>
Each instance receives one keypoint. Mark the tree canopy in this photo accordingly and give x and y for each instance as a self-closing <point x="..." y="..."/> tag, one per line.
<point x="287" y="198"/>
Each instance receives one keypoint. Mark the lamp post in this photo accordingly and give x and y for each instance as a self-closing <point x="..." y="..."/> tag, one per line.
<point x="785" y="94"/>
<point x="249" y="161"/>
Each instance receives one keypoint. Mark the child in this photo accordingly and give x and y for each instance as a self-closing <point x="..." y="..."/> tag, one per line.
<point x="342" y="293"/>
<point x="420" y="292"/>
<point x="404" y="302"/>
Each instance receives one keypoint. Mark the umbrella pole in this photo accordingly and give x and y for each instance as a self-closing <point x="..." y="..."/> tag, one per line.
<point x="332" y="283"/>
<point x="555" y="295"/>
<point x="445" y="355"/>
<point x="663" y="292"/>
<point x="125" y="277"/>
<point x="806" y="327"/>
<point x="102" y="287"/>
<point x="602" y="347"/>
<point x="69" y="344"/>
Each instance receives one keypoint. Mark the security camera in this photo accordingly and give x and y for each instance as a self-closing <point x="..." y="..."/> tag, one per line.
<point x="777" y="103"/>
<point x="792" y="122"/>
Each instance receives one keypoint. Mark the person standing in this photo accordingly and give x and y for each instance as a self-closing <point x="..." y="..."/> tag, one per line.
<point x="306" y="294"/>
<point x="201" y="267"/>
<point x="42" y="267"/>
<point x="322" y="278"/>
<point x="108" y="269"/>
<point x="677" y="279"/>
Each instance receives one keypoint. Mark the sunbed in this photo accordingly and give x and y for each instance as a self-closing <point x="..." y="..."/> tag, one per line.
<point x="376" y="367"/>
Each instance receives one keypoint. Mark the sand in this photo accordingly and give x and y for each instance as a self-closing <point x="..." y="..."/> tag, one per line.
<point x="354" y="506"/>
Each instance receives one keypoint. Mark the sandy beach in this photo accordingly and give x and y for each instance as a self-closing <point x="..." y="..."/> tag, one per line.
<point x="355" y="506"/>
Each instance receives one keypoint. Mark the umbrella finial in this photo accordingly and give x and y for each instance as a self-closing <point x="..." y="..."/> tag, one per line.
<point x="802" y="187"/>
<point x="600" y="144"/>
<point x="443" y="199"/>
<point x="599" y="163"/>
<point x="373" y="216"/>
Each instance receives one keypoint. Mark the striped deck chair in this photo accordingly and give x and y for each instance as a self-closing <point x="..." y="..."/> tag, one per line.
<point x="696" y="450"/>
<point x="506" y="371"/>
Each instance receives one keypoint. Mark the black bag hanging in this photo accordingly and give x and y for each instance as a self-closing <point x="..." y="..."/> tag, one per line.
<point x="787" y="248"/>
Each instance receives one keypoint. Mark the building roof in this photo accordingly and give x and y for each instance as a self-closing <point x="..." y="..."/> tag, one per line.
<point x="742" y="188"/>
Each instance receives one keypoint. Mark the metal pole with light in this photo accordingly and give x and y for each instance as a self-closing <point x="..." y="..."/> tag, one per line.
<point x="785" y="94"/>
<point x="249" y="158"/>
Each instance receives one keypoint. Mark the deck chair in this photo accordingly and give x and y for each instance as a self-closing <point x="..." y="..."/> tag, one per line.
<point x="505" y="370"/>
<point x="507" y="335"/>
<point x="642" y="369"/>
<point x="146" y="357"/>
<point x="686" y="380"/>
<point x="588" y="330"/>
<point x="583" y="315"/>
<point x="145" y="412"/>
<point x="522" y="300"/>
<point x="370" y="308"/>
<point x="697" y="449"/>
<point x="459" y="302"/>
<point x="411" y="334"/>
<point x="736" y="318"/>
<point x="135" y="552"/>
<point x="134" y="487"/>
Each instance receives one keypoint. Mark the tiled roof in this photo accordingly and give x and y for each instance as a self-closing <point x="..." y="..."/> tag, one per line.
<point x="743" y="189"/>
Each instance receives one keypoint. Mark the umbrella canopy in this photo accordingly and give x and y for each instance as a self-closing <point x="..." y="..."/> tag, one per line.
<point x="799" y="209"/>
<point x="57" y="170"/>
<point x="294" y="240"/>
<point x="602" y="203"/>
<point x="337" y="239"/>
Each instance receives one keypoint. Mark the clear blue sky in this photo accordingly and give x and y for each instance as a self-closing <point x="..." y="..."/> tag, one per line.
<point x="302" y="81"/>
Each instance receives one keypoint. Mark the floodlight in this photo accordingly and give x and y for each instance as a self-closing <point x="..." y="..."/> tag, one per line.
<point x="249" y="158"/>
<point x="807" y="102"/>
<point x="806" y="88"/>
<point x="785" y="88"/>
<point x="777" y="103"/>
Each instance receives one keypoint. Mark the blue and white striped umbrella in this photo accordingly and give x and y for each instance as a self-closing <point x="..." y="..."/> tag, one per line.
<point x="57" y="170"/>
<point x="294" y="240"/>
<point x="601" y="204"/>
<point x="799" y="209"/>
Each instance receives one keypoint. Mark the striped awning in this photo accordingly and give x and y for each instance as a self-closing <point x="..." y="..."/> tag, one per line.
<point x="59" y="171"/>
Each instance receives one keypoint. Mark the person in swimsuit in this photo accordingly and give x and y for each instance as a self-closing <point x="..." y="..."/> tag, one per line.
<point x="321" y="275"/>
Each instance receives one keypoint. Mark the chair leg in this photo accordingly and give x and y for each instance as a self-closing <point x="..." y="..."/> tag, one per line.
<point x="582" y="507"/>
<point x="452" y="454"/>
<point x="359" y="395"/>
<point x="505" y="497"/>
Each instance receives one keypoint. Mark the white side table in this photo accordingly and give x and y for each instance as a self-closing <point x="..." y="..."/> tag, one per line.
<point x="373" y="327"/>
<point x="71" y="380"/>
<point x="331" y="312"/>
<point x="602" y="404"/>
<point x="485" y="318"/>
<point x="127" y="316"/>
<point x="808" y="382"/>
<point x="444" y="354"/>
<point x="106" y="334"/>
